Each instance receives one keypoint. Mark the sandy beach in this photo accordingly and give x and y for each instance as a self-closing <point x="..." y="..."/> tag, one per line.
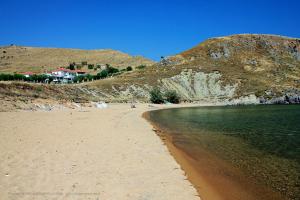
<point x="87" y="153"/>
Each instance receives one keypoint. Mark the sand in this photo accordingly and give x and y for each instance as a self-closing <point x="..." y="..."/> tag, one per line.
<point x="91" y="153"/>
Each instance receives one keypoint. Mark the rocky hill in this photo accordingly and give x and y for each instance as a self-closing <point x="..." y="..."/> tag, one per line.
<point x="238" y="68"/>
<point x="231" y="70"/>
<point x="19" y="59"/>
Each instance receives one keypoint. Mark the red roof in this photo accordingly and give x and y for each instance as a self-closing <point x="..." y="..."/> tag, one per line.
<point x="27" y="73"/>
<point x="68" y="70"/>
<point x="79" y="71"/>
<point x="62" y="69"/>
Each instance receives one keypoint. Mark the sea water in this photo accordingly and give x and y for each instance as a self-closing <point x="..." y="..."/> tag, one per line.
<point x="263" y="140"/>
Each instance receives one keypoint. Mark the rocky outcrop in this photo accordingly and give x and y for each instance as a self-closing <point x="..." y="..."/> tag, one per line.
<point x="191" y="86"/>
<point x="199" y="86"/>
<point x="291" y="96"/>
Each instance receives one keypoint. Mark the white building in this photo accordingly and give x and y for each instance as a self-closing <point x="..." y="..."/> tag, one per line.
<point x="62" y="75"/>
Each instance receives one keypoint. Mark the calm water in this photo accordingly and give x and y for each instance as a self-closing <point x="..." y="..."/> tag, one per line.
<point x="260" y="140"/>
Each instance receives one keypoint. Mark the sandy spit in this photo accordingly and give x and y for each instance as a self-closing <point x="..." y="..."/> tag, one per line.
<point x="87" y="153"/>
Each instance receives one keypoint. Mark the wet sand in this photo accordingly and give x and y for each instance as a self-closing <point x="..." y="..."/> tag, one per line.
<point x="87" y="153"/>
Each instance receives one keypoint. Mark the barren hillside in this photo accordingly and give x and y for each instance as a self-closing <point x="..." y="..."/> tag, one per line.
<point x="20" y="59"/>
<point x="230" y="70"/>
<point x="264" y="66"/>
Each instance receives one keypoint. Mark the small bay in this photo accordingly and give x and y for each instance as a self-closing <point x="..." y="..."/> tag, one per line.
<point x="262" y="142"/>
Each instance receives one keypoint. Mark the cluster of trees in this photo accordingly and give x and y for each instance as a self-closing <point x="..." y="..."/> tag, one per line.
<point x="157" y="97"/>
<point x="20" y="77"/>
<point x="73" y="66"/>
<point x="109" y="71"/>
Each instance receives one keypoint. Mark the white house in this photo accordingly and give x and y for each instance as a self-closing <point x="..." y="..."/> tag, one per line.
<point x="62" y="75"/>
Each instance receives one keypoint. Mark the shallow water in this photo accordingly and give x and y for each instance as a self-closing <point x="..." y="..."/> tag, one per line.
<point x="263" y="141"/>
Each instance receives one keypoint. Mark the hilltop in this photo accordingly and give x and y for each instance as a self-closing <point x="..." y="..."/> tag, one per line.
<point x="19" y="59"/>
<point x="229" y="70"/>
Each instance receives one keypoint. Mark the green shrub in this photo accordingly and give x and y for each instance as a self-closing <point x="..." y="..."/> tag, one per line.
<point x="75" y="79"/>
<point x="78" y="66"/>
<point x="129" y="68"/>
<point x="6" y="77"/>
<point x="89" y="77"/>
<point x="84" y="63"/>
<point x="72" y="66"/>
<point x="156" y="96"/>
<point x="141" y="67"/>
<point x="103" y="74"/>
<point x="78" y="79"/>
<point x="90" y="66"/>
<point x="96" y="77"/>
<point x="39" y="88"/>
<point x="112" y="70"/>
<point x="19" y="77"/>
<point x="172" y="96"/>
<point x="50" y="79"/>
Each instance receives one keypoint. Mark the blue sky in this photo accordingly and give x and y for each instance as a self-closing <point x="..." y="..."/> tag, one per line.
<point x="150" y="28"/>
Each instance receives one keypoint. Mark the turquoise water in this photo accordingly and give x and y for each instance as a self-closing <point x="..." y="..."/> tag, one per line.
<point x="261" y="139"/>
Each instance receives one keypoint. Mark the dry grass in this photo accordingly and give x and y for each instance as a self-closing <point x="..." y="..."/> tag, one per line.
<point x="20" y="59"/>
<point x="273" y="66"/>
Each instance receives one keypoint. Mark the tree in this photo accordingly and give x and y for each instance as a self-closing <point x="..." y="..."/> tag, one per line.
<point x="172" y="96"/>
<point x="103" y="73"/>
<point x="141" y="67"/>
<point x="72" y="66"/>
<point x="89" y="77"/>
<point x="50" y="79"/>
<point x="90" y="66"/>
<point x="18" y="77"/>
<point x="129" y="68"/>
<point x="78" y="79"/>
<point x="6" y="77"/>
<point x="112" y="70"/>
<point x="156" y="96"/>
<point x="78" y="66"/>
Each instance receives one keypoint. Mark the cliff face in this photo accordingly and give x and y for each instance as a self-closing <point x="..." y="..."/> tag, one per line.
<point x="195" y="86"/>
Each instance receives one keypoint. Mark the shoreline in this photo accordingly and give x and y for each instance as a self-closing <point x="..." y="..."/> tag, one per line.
<point x="185" y="162"/>
<point x="209" y="183"/>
